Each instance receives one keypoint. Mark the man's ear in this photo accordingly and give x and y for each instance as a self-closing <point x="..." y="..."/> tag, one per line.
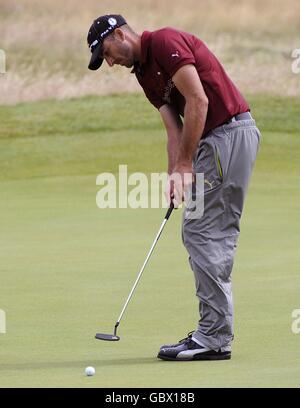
<point x="119" y="34"/>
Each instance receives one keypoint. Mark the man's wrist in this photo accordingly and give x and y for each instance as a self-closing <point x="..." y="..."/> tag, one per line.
<point x="183" y="163"/>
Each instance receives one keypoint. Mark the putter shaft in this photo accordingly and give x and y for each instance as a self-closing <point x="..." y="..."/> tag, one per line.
<point x="144" y="264"/>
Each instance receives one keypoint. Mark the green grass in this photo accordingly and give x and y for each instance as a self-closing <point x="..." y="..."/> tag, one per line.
<point x="67" y="266"/>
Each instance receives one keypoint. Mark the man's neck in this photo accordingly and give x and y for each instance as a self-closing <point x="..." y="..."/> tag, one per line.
<point x="137" y="48"/>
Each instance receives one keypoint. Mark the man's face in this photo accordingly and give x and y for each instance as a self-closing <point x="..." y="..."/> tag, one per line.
<point x="117" y="50"/>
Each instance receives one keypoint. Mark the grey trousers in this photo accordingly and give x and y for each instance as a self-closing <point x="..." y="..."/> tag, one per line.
<point x="226" y="157"/>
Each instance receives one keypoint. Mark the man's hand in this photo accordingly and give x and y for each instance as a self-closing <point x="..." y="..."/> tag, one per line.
<point x="179" y="183"/>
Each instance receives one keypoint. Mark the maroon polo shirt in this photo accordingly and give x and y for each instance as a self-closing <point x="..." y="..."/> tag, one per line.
<point x="164" y="52"/>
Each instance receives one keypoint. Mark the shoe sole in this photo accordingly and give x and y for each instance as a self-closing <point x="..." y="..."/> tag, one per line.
<point x="198" y="357"/>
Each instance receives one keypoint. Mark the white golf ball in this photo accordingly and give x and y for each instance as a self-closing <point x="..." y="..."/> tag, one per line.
<point x="89" y="371"/>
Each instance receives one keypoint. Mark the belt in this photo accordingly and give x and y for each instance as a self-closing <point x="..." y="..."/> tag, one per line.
<point x="240" y="116"/>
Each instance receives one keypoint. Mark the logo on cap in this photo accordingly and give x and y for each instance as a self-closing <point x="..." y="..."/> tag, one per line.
<point x="112" y="21"/>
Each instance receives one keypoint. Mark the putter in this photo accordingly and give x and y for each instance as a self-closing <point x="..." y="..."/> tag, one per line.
<point x="114" y="337"/>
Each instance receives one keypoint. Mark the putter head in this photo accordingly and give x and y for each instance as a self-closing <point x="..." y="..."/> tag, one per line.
<point x="107" y="337"/>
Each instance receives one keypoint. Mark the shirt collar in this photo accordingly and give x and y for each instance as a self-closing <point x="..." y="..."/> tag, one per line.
<point x="145" y="44"/>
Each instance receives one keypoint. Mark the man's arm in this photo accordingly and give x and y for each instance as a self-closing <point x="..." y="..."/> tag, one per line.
<point x="188" y="83"/>
<point x="174" y="126"/>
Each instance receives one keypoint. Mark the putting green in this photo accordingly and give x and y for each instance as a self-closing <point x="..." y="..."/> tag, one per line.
<point x="67" y="267"/>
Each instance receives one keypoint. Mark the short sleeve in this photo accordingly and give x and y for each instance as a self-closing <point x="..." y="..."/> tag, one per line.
<point x="154" y="99"/>
<point x="172" y="50"/>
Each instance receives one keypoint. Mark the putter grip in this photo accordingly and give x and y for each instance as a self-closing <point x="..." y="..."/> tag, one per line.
<point x="169" y="212"/>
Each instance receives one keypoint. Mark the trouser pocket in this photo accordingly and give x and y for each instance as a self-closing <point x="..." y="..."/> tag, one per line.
<point x="209" y="163"/>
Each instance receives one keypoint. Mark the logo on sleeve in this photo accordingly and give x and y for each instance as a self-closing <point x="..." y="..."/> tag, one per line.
<point x="175" y="54"/>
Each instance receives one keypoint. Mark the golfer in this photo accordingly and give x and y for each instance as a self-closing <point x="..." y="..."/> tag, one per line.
<point x="210" y="130"/>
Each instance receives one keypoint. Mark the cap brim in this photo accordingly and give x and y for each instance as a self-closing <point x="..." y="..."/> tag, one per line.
<point x="96" y="60"/>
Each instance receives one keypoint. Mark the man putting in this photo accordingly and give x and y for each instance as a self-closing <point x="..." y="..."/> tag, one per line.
<point x="210" y="130"/>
